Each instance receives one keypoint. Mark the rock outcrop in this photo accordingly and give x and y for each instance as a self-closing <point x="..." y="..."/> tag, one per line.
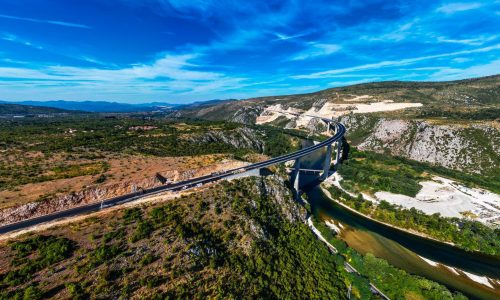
<point x="472" y="147"/>
<point x="275" y="189"/>
<point x="240" y="138"/>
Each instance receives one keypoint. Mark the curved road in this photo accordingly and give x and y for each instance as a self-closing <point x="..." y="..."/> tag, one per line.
<point x="183" y="185"/>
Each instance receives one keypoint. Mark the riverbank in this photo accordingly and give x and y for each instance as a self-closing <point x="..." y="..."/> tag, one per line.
<point x="409" y="231"/>
<point x="397" y="247"/>
<point x="349" y="268"/>
<point x="451" y="266"/>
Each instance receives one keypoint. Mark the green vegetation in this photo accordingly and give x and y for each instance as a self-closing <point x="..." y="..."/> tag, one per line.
<point x="482" y="90"/>
<point x="232" y="241"/>
<point x="33" y="255"/>
<point x="39" y="150"/>
<point x="365" y="124"/>
<point x="492" y="113"/>
<point x="12" y="175"/>
<point x="70" y="171"/>
<point x="466" y="234"/>
<point x="372" y="172"/>
<point x="393" y="282"/>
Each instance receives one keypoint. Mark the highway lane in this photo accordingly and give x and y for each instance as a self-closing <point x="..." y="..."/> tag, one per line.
<point x="183" y="185"/>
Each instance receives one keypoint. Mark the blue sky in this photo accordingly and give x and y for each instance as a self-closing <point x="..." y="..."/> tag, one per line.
<point x="181" y="51"/>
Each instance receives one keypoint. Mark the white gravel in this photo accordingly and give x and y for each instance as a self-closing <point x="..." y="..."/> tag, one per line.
<point x="450" y="199"/>
<point x="477" y="278"/>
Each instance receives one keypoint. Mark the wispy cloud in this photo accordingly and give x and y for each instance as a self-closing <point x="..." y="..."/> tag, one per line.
<point x="59" y="50"/>
<point x="169" y="74"/>
<point x="452" y="8"/>
<point x="391" y="63"/>
<point x="15" y="39"/>
<point x="460" y="60"/>
<point x="286" y="37"/>
<point x="471" y="42"/>
<point x="315" y="50"/>
<point x="447" y="73"/>
<point x="52" y="22"/>
<point x="395" y="33"/>
<point x="351" y="82"/>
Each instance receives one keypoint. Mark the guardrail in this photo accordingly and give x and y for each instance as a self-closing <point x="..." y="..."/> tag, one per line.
<point x="183" y="185"/>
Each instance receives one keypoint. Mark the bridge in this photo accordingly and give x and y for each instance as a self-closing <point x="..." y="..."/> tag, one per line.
<point x="335" y="139"/>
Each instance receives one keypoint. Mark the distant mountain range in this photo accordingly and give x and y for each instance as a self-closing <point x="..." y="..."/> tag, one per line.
<point x="18" y="109"/>
<point x="108" y="106"/>
<point x="96" y="106"/>
<point x="477" y="91"/>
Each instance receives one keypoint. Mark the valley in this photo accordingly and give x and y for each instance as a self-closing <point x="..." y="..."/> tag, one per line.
<point x="428" y="174"/>
<point x="225" y="149"/>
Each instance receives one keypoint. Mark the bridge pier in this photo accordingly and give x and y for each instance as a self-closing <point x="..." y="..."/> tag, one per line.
<point x="297" y="178"/>
<point x="327" y="162"/>
<point x="337" y="155"/>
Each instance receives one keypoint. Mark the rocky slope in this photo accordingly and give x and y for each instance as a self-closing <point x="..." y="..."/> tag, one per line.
<point x="424" y="121"/>
<point x="240" y="138"/>
<point x="99" y="192"/>
<point x="472" y="147"/>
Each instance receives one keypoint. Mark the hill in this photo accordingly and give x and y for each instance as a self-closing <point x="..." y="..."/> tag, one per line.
<point x="454" y="95"/>
<point x="451" y="124"/>
<point x="241" y="239"/>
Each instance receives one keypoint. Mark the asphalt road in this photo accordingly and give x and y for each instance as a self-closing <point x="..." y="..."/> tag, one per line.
<point x="183" y="185"/>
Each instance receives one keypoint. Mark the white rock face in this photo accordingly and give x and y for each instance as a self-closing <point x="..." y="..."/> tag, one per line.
<point x="474" y="147"/>
<point x="451" y="146"/>
<point x="325" y="109"/>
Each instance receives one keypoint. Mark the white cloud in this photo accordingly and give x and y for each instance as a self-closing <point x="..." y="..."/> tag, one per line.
<point x="352" y="82"/>
<point x="488" y="69"/>
<point x="168" y="75"/>
<point x="391" y="63"/>
<point x="316" y="50"/>
<point x="460" y="60"/>
<point x="452" y="8"/>
<point x="478" y="41"/>
<point x="15" y="39"/>
<point x="52" y="22"/>
<point x="285" y="37"/>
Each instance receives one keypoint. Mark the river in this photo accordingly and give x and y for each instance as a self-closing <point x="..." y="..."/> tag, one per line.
<point x="402" y="249"/>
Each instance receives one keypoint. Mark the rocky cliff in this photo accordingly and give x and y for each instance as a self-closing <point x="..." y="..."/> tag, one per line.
<point x="473" y="147"/>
